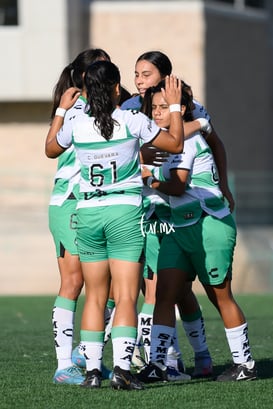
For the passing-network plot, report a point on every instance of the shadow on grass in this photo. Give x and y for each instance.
(264, 369)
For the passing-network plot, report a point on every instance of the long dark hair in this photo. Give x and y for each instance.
(160, 60)
(100, 79)
(186, 99)
(72, 74)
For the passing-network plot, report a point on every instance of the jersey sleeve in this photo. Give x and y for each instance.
(141, 126)
(64, 136)
(200, 111)
(183, 160)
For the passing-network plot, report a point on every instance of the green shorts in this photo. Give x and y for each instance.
(204, 249)
(62, 225)
(152, 246)
(154, 231)
(110, 232)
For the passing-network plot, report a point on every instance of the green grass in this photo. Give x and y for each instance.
(27, 362)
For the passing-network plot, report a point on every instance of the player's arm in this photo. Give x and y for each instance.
(173, 139)
(220, 157)
(52, 147)
(150, 155)
(175, 186)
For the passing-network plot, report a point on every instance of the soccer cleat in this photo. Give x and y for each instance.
(153, 372)
(203, 367)
(92, 379)
(174, 375)
(70, 376)
(239, 372)
(123, 379)
(79, 360)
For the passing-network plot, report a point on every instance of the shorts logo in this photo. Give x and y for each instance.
(212, 271)
(88, 253)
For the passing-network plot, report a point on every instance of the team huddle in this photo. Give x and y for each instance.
(140, 203)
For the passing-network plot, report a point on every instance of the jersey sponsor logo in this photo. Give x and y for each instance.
(177, 159)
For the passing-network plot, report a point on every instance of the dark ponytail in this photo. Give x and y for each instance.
(100, 79)
(72, 75)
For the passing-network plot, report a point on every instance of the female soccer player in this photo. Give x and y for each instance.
(201, 245)
(151, 67)
(109, 209)
(62, 224)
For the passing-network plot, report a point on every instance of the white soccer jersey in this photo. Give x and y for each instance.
(202, 191)
(67, 177)
(110, 170)
(154, 201)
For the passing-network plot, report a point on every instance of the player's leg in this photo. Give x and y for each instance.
(219, 237)
(236, 329)
(170, 283)
(63, 231)
(194, 327)
(125, 250)
(97, 284)
(145, 316)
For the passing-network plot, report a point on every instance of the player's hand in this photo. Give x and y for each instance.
(152, 155)
(205, 126)
(69, 97)
(172, 92)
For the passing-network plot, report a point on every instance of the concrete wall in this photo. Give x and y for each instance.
(127, 29)
(238, 72)
(238, 78)
(29, 66)
(33, 53)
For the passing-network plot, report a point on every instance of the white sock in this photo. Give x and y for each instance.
(195, 331)
(237, 338)
(91, 346)
(160, 342)
(63, 326)
(123, 341)
(174, 352)
(145, 322)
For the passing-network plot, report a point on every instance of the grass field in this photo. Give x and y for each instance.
(28, 363)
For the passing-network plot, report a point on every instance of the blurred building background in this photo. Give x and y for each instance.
(224, 49)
